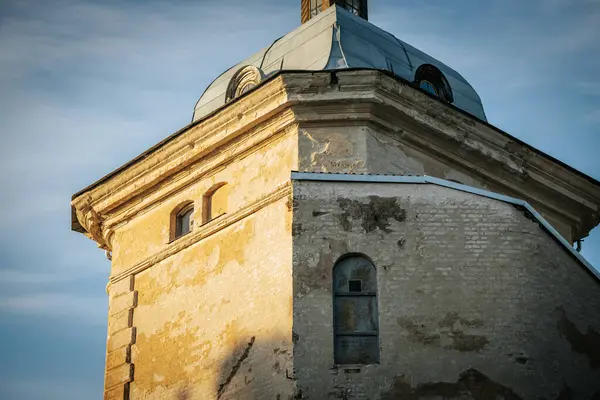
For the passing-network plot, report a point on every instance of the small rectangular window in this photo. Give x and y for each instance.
(354, 286)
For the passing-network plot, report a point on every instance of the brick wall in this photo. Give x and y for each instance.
(475, 298)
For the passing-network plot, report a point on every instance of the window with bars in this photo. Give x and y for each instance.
(353, 6)
(315, 7)
(355, 316)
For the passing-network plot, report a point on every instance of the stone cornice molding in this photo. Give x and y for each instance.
(338, 98)
(431, 126)
(92, 222)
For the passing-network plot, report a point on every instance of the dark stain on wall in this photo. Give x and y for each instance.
(464, 342)
(416, 334)
(587, 343)
(452, 318)
(296, 228)
(461, 341)
(374, 215)
(470, 382)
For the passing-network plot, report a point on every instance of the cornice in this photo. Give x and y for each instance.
(341, 97)
(433, 127)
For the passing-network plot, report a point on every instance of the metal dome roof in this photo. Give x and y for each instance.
(337, 39)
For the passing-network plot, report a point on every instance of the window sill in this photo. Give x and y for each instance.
(212, 220)
(351, 368)
(179, 237)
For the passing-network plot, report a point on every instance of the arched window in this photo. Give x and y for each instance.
(245, 79)
(355, 316)
(430, 79)
(215, 202)
(182, 220)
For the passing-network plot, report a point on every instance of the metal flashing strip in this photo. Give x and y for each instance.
(424, 179)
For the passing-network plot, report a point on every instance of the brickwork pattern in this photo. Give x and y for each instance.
(473, 295)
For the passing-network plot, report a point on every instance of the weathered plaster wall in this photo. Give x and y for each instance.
(476, 301)
(209, 316)
(214, 320)
(340, 149)
(248, 178)
(388, 154)
(360, 148)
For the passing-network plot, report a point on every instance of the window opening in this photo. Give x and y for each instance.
(428, 87)
(184, 221)
(430, 79)
(215, 202)
(315, 7)
(354, 286)
(355, 316)
(242, 81)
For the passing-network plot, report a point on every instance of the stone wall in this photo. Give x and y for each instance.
(475, 299)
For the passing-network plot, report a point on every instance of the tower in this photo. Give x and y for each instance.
(340, 221)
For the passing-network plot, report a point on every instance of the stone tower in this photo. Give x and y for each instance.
(340, 221)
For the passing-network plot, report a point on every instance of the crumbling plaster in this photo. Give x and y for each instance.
(468, 287)
(352, 122)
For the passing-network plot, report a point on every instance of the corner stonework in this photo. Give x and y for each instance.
(121, 336)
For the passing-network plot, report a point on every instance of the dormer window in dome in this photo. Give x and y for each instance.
(432, 80)
(244, 80)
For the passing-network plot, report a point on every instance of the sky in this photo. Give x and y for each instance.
(86, 85)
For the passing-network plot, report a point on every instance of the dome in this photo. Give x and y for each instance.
(337, 39)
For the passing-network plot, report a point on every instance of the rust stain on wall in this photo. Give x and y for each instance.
(375, 214)
(587, 343)
(471, 384)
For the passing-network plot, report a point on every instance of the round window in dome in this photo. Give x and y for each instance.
(428, 87)
(430, 79)
(244, 80)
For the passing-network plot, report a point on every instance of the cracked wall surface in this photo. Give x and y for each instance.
(476, 301)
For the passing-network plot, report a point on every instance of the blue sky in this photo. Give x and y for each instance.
(87, 85)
